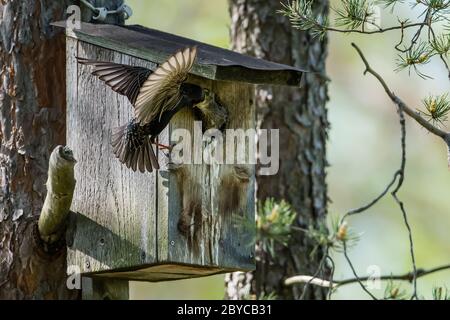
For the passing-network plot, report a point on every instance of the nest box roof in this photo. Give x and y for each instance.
(212, 62)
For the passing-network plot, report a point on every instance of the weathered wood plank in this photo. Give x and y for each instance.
(71, 79)
(115, 225)
(189, 195)
(233, 185)
(201, 229)
(163, 204)
(164, 272)
(127, 223)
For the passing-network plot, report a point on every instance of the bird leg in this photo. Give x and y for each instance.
(159, 145)
(163, 146)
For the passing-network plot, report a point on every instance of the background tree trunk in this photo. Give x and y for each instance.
(301, 116)
(32, 123)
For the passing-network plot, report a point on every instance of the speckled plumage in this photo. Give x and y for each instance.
(156, 97)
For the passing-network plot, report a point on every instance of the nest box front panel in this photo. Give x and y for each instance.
(179, 222)
(208, 202)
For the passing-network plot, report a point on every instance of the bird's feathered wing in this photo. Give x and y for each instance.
(123, 79)
(161, 91)
(134, 149)
(151, 93)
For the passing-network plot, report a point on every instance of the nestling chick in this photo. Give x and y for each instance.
(212, 113)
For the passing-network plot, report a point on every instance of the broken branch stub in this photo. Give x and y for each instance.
(60, 188)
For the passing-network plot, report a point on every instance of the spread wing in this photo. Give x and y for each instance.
(161, 91)
(123, 79)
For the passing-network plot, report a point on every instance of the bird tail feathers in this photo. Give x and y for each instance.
(133, 154)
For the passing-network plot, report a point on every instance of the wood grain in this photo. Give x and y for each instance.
(116, 226)
(129, 225)
(213, 237)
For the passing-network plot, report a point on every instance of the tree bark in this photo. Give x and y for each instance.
(32, 123)
(300, 115)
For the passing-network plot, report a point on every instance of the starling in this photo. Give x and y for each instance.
(156, 97)
(211, 111)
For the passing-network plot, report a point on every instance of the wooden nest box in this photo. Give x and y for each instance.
(180, 221)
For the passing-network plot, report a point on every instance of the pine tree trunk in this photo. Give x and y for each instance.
(301, 116)
(32, 123)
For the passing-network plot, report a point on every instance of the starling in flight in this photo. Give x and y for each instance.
(156, 97)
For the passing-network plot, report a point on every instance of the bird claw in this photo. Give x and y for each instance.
(166, 150)
(164, 147)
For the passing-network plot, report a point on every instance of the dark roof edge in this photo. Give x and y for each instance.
(232, 72)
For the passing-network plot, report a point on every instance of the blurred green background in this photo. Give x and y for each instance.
(363, 151)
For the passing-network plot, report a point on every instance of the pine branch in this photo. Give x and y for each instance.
(338, 283)
(354, 15)
(445, 136)
(302, 18)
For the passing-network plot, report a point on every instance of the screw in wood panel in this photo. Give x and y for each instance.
(87, 264)
(172, 243)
